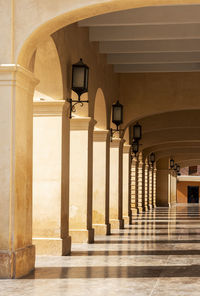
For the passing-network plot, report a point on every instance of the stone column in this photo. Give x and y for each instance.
(116, 165)
(50, 179)
(134, 203)
(150, 186)
(154, 185)
(101, 146)
(146, 185)
(140, 183)
(17, 254)
(126, 184)
(173, 187)
(81, 172)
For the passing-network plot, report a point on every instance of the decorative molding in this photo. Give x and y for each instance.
(100, 135)
(126, 148)
(116, 142)
(188, 178)
(48, 108)
(15, 68)
(81, 123)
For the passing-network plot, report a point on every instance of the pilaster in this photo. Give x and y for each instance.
(140, 183)
(134, 202)
(146, 185)
(154, 185)
(126, 184)
(81, 173)
(101, 145)
(150, 186)
(17, 254)
(50, 170)
(116, 175)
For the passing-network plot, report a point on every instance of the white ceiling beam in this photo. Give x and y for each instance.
(145, 32)
(154, 58)
(149, 46)
(147, 15)
(148, 68)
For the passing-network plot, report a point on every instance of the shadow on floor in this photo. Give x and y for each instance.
(135, 253)
(114, 272)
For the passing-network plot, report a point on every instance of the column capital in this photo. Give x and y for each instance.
(100, 135)
(116, 142)
(14, 74)
(48, 108)
(126, 148)
(82, 123)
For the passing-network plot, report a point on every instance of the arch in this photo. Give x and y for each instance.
(100, 112)
(50, 17)
(47, 69)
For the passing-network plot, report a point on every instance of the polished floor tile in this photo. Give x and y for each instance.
(159, 254)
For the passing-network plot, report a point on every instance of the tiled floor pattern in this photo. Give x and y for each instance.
(159, 255)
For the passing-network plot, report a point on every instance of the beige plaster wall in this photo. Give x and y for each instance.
(145, 94)
(73, 43)
(162, 184)
(48, 70)
(182, 187)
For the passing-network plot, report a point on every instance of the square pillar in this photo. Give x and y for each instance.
(116, 166)
(50, 179)
(154, 185)
(134, 201)
(140, 183)
(17, 254)
(101, 146)
(150, 187)
(81, 173)
(146, 185)
(126, 184)
(173, 188)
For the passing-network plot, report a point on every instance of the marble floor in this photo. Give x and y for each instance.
(158, 255)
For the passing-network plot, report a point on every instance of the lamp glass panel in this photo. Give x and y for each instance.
(135, 147)
(86, 77)
(78, 77)
(117, 115)
(171, 163)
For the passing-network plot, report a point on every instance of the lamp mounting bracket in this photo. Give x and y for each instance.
(113, 131)
(73, 104)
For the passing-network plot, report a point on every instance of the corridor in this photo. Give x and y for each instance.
(157, 255)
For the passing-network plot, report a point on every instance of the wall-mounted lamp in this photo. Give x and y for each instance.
(178, 168)
(80, 75)
(152, 158)
(171, 163)
(117, 117)
(137, 132)
(135, 147)
(175, 166)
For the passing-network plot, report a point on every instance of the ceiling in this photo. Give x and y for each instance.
(149, 39)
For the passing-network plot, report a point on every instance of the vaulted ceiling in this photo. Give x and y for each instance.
(149, 39)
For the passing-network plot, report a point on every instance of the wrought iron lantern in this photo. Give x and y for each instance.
(178, 168)
(135, 147)
(137, 132)
(152, 158)
(175, 166)
(117, 117)
(80, 76)
(171, 163)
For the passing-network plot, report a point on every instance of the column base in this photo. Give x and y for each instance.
(104, 229)
(134, 212)
(53, 246)
(146, 209)
(126, 220)
(82, 235)
(18, 263)
(117, 224)
(140, 210)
